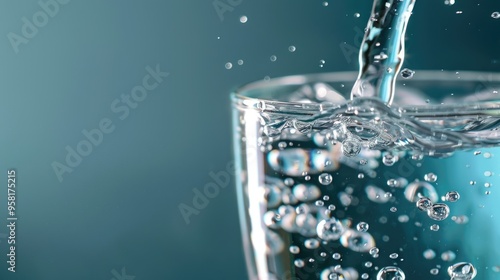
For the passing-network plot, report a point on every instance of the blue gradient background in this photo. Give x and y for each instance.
(119, 207)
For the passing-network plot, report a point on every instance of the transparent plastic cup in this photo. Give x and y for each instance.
(332, 189)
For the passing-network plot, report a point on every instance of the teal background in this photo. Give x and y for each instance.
(119, 208)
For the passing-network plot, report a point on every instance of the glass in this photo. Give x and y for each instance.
(330, 189)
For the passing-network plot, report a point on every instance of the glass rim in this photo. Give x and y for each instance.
(241, 100)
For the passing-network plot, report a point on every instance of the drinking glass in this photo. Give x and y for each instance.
(330, 188)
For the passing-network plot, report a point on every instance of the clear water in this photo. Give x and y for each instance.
(368, 191)
(382, 50)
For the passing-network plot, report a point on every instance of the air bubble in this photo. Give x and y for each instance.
(429, 254)
(330, 229)
(357, 241)
(389, 159)
(325, 179)
(336, 256)
(430, 177)
(311, 243)
(362, 226)
(434, 227)
(438, 211)
(424, 204)
(273, 58)
(391, 273)
(243, 19)
(357, 15)
(228, 65)
(393, 256)
(434, 271)
(407, 73)
(462, 271)
(292, 48)
(240, 61)
(448, 256)
(351, 147)
(452, 196)
(299, 263)
(294, 249)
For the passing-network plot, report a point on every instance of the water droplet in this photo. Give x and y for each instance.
(273, 58)
(330, 229)
(429, 254)
(325, 179)
(438, 211)
(452, 196)
(292, 48)
(228, 65)
(391, 273)
(424, 204)
(294, 249)
(407, 73)
(462, 271)
(351, 147)
(430, 177)
(362, 226)
(243, 19)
